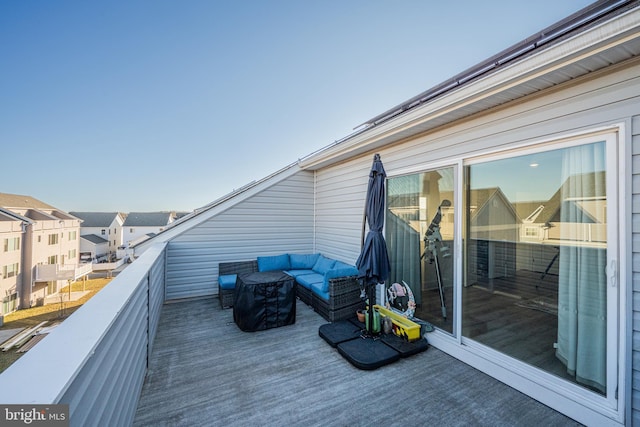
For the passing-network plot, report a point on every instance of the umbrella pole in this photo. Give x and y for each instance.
(370, 313)
(372, 296)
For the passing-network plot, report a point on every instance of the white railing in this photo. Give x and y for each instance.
(96, 360)
(106, 266)
(51, 272)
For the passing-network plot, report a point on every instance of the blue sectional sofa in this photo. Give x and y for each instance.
(329, 286)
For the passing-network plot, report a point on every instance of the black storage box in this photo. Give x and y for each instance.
(264, 300)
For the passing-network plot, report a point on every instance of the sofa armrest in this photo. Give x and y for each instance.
(336, 273)
(237, 267)
(343, 285)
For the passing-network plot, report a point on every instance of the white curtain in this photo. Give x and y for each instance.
(403, 241)
(582, 302)
(404, 247)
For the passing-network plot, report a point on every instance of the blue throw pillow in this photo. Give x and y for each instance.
(303, 262)
(273, 263)
(323, 264)
(227, 281)
(340, 264)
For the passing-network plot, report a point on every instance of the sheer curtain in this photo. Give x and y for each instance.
(582, 301)
(403, 240)
(404, 243)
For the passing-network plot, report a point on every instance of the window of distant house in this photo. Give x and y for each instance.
(39, 239)
(104, 232)
(72, 254)
(12, 244)
(52, 259)
(531, 232)
(10, 270)
(73, 235)
(131, 230)
(53, 239)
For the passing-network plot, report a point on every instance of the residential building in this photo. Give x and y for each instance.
(40, 250)
(93, 248)
(140, 226)
(106, 225)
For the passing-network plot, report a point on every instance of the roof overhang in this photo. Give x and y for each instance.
(602, 45)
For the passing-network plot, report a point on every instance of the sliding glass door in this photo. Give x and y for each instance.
(420, 237)
(539, 258)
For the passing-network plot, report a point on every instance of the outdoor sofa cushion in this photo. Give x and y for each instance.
(320, 281)
(298, 273)
(323, 265)
(307, 280)
(311, 271)
(227, 281)
(274, 263)
(318, 290)
(303, 262)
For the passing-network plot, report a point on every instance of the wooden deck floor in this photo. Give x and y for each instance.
(205, 371)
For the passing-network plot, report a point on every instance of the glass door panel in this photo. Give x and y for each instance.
(536, 249)
(420, 235)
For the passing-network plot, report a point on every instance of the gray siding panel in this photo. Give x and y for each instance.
(635, 212)
(279, 219)
(341, 192)
(156, 296)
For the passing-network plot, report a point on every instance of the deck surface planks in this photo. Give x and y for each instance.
(205, 371)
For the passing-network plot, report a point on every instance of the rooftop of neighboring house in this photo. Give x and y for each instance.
(32, 208)
(20, 201)
(148, 219)
(94, 238)
(7, 215)
(593, 187)
(96, 219)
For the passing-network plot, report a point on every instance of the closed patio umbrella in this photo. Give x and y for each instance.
(373, 263)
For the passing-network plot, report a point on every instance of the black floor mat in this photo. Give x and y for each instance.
(368, 353)
(338, 332)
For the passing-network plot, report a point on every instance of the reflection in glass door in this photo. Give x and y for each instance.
(420, 235)
(536, 251)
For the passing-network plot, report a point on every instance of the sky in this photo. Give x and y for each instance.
(158, 105)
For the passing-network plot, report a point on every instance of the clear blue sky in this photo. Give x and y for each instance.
(148, 105)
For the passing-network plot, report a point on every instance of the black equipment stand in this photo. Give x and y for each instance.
(432, 238)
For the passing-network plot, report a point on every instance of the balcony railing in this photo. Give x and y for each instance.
(96, 360)
(51, 272)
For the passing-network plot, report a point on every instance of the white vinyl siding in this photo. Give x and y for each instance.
(277, 220)
(341, 192)
(584, 105)
(635, 221)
